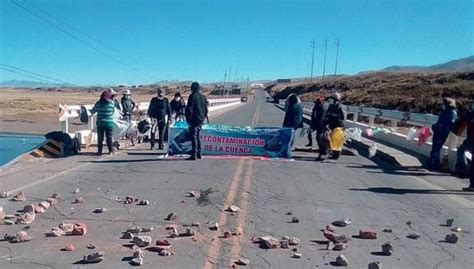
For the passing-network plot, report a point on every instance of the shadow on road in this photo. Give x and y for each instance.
(393, 170)
(133, 161)
(387, 190)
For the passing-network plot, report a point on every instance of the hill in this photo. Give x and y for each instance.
(459, 65)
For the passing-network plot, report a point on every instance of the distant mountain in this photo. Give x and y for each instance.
(31, 84)
(459, 65)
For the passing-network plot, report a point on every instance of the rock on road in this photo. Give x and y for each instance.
(268, 193)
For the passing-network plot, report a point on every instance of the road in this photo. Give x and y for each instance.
(374, 195)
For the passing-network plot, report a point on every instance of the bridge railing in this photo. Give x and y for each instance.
(398, 122)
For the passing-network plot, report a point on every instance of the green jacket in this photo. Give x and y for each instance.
(105, 113)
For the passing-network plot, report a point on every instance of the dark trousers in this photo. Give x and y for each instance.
(100, 138)
(160, 126)
(195, 133)
(463, 167)
(435, 155)
(323, 142)
(127, 117)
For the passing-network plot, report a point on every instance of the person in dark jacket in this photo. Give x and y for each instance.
(441, 130)
(177, 106)
(334, 117)
(196, 112)
(466, 121)
(160, 112)
(128, 105)
(317, 117)
(105, 120)
(294, 113)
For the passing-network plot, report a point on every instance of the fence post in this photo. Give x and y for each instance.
(371, 120)
(356, 117)
(65, 126)
(394, 124)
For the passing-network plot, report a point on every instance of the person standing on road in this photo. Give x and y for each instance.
(128, 105)
(178, 106)
(159, 111)
(466, 121)
(333, 118)
(441, 130)
(196, 112)
(317, 117)
(114, 99)
(105, 120)
(294, 113)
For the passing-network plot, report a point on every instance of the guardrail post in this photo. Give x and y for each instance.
(394, 123)
(356, 117)
(65, 126)
(371, 120)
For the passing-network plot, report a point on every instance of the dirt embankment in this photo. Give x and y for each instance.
(415, 92)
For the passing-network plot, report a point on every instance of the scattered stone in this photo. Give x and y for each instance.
(4, 194)
(142, 241)
(134, 229)
(139, 253)
(284, 244)
(295, 220)
(456, 230)
(237, 231)
(342, 223)
(21, 236)
(193, 194)
(297, 255)
(387, 249)
(26, 218)
(163, 243)
(243, 261)
(331, 228)
(368, 234)
(95, 257)
(66, 227)
(8, 237)
(144, 202)
(130, 200)
(44, 204)
(165, 252)
(330, 245)
(189, 232)
(293, 241)
(414, 235)
(174, 233)
(8, 222)
(79, 229)
(69, 247)
(227, 234)
(289, 213)
(214, 227)
(233, 209)
(136, 261)
(127, 235)
(409, 223)
(170, 227)
(341, 260)
(100, 210)
(196, 224)
(19, 197)
(387, 230)
(39, 209)
(375, 265)
(146, 229)
(449, 222)
(90, 246)
(171, 216)
(2, 213)
(56, 232)
(269, 242)
(76, 191)
(294, 249)
(79, 200)
(452, 238)
(9, 216)
(339, 246)
(55, 196)
(29, 208)
(52, 201)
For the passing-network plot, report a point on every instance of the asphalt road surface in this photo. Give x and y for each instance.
(375, 196)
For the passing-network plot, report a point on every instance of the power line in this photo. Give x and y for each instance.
(103, 44)
(80, 40)
(22, 74)
(33, 73)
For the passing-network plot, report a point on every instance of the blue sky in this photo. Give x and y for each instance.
(199, 40)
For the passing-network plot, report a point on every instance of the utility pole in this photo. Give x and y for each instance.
(223, 86)
(337, 56)
(312, 61)
(325, 53)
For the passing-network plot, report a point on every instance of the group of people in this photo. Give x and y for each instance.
(160, 111)
(448, 121)
(325, 118)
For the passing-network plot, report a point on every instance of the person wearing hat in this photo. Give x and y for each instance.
(114, 99)
(128, 105)
(317, 117)
(441, 130)
(177, 106)
(159, 112)
(196, 112)
(333, 118)
(466, 122)
(105, 120)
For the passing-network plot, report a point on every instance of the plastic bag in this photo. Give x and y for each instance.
(354, 133)
(412, 133)
(336, 139)
(372, 150)
(423, 135)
